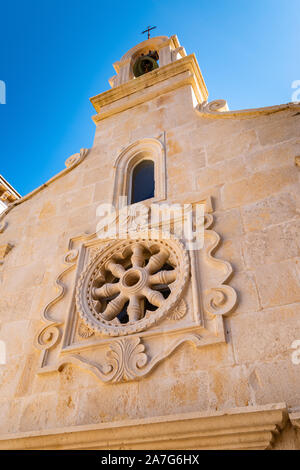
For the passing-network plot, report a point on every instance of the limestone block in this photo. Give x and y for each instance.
(228, 224)
(273, 380)
(107, 403)
(29, 366)
(177, 185)
(10, 412)
(67, 408)
(14, 335)
(69, 182)
(229, 387)
(248, 299)
(279, 131)
(271, 210)
(38, 412)
(11, 371)
(29, 276)
(236, 146)
(275, 243)
(174, 146)
(188, 360)
(275, 156)
(80, 218)
(258, 186)
(205, 130)
(78, 198)
(278, 283)
(12, 305)
(198, 157)
(231, 250)
(221, 173)
(4, 412)
(48, 210)
(266, 335)
(74, 378)
(181, 393)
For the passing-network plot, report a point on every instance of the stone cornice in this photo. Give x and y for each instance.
(130, 89)
(239, 428)
(218, 109)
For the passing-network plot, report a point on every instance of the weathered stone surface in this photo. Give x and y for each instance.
(274, 244)
(229, 387)
(242, 144)
(270, 211)
(266, 335)
(273, 378)
(246, 287)
(278, 284)
(258, 186)
(245, 165)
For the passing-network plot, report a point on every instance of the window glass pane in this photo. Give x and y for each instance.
(143, 181)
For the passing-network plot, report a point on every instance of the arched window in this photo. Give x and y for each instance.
(142, 182)
(140, 173)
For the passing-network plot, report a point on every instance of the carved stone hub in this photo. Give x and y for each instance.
(132, 285)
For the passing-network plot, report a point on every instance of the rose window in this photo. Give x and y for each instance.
(131, 285)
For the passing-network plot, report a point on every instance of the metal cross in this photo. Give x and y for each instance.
(148, 29)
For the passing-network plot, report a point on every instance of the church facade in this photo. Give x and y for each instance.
(150, 291)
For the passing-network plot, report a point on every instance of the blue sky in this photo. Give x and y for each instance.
(56, 54)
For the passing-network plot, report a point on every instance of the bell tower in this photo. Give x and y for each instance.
(151, 68)
(164, 49)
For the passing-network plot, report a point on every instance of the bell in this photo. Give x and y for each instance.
(145, 63)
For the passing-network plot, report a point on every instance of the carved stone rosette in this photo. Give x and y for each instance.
(132, 272)
(133, 301)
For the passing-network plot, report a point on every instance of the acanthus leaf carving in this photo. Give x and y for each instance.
(126, 359)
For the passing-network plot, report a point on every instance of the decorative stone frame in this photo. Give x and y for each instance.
(195, 316)
(143, 149)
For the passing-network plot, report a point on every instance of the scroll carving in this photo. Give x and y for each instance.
(76, 158)
(49, 335)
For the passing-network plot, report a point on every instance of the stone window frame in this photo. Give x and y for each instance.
(143, 149)
(132, 180)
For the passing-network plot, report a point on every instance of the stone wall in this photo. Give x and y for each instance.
(248, 167)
